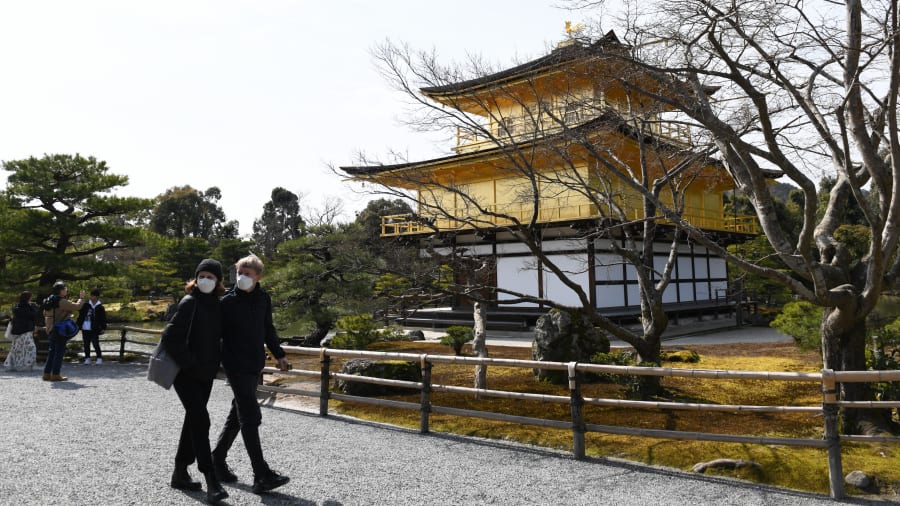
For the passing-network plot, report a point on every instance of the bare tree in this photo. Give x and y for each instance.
(575, 142)
(479, 343)
(808, 89)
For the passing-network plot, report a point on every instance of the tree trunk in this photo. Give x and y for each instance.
(649, 354)
(844, 349)
(479, 341)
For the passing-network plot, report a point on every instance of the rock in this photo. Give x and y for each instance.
(310, 341)
(759, 320)
(858, 479)
(388, 369)
(415, 335)
(688, 356)
(726, 464)
(560, 336)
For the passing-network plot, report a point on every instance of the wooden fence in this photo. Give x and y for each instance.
(146, 346)
(117, 334)
(827, 379)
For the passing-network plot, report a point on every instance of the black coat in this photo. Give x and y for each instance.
(200, 353)
(246, 327)
(98, 321)
(23, 318)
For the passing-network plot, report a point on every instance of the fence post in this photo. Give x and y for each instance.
(832, 437)
(324, 378)
(425, 409)
(576, 403)
(122, 334)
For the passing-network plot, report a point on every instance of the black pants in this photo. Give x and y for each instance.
(244, 417)
(91, 337)
(194, 441)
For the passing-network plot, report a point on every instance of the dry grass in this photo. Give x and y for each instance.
(798, 468)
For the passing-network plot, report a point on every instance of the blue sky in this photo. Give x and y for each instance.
(243, 95)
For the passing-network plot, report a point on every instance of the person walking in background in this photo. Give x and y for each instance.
(22, 351)
(56, 309)
(92, 322)
(193, 339)
(246, 330)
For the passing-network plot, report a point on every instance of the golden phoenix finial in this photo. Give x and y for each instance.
(573, 30)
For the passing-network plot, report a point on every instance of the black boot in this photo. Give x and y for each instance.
(222, 472)
(269, 481)
(214, 490)
(182, 480)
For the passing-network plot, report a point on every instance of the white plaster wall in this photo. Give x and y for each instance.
(609, 295)
(717, 268)
(519, 274)
(575, 267)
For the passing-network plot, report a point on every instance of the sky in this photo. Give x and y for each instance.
(243, 95)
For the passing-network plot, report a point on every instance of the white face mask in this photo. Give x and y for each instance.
(206, 285)
(245, 283)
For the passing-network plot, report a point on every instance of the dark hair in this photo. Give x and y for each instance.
(58, 287)
(218, 291)
(24, 297)
(95, 291)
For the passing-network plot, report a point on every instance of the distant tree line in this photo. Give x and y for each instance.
(61, 221)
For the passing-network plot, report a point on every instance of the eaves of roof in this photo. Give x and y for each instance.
(609, 120)
(560, 55)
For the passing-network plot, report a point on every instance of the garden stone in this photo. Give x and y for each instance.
(558, 337)
(415, 335)
(858, 479)
(388, 369)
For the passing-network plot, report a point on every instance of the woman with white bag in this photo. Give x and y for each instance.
(22, 352)
(193, 337)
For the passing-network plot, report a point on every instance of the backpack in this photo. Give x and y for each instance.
(50, 303)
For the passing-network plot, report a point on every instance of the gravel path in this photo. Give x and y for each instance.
(108, 436)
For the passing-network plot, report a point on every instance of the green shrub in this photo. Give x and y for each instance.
(392, 333)
(885, 356)
(125, 314)
(803, 321)
(358, 332)
(621, 357)
(115, 294)
(457, 336)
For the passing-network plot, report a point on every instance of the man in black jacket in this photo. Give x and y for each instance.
(246, 328)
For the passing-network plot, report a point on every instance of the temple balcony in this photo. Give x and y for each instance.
(515, 129)
(407, 224)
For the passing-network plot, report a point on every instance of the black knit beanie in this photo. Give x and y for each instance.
(211, 266)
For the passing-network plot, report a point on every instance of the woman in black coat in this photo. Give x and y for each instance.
(193, 338)
(22, 352)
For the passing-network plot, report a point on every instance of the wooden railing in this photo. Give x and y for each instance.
(115, 334)
(577, 423)
(525, 127)
(146, 345)
(407, 224)
(827, 379)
